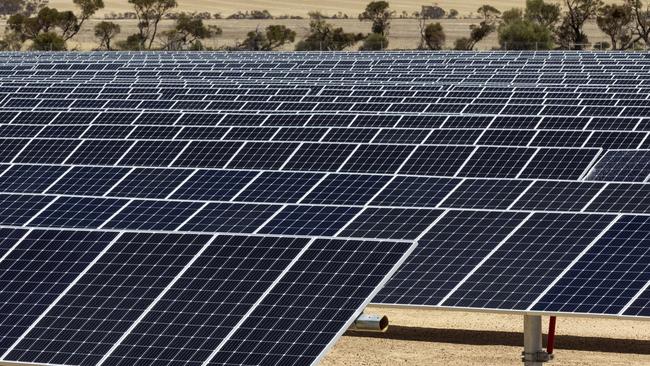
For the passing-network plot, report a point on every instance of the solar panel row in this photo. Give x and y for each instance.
(256, 235)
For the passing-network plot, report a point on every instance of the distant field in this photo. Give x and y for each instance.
(403, 34)
(281, 7)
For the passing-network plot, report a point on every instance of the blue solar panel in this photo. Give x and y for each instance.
(107, 302)
(528, 261)
(310, 220)
(230, 217)
(149, 183)
(608, 275)
(39, 269)
(153, 215)
(346, 189)
(279, 187)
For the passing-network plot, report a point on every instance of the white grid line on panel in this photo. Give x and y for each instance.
(126, 152)
(16, 244)
(591, 164)
(61, 295)
(155, 301)
(232, 158)
(523, 168)
(310, 190)
(189, 176)
(223, 137)
(119, 181)
(467, 160)
(341, 230)
(180, 130)
(375, 135)
(57, 180)
(291, 155)
(451, 192)
(180, 153)
(520, 195)
(192, 216)
(56, 198)
(245, 187)
(114, 215)
(634, 298)
(574, 261)
(250, 311)
(434, 223)
(354, 151)
(645, 138)
(485, 259)
(275, 214)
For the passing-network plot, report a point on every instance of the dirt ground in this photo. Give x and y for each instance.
(435, 337)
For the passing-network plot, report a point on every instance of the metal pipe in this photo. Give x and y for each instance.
(532, 339)
(550, 340)
(370, 323)
(534, 354)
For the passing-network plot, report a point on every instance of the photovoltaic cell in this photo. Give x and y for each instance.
(310, 220)
(153, 215)
(528, 261)
(109, 304)
(623, 166)
(558, 196)
(332, 281)
(78, 212)
(415, 191)
(230, 217)
(29, 178)
(279, 187)
(390, 223)
(34, 273)
(477, 193)
(346, 189)
(149, 183)
(446, 254)
(610, 273)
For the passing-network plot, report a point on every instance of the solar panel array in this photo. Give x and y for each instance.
(242, 208)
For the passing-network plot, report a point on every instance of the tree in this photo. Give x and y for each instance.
(377, 12)
(641, 16)
(616, 21)
(48, 41)
(188, 33)
(324, 37)
(453, 14)
(49, 20)
(488, 12)
(9, 7)
(521, 34)
(274, 37)
(512, 15)
(434, 36)
(578, 12)
(463, 44)
(542, 13)
(105, 32)
(88, 8)
(149, 13)
(374, 42)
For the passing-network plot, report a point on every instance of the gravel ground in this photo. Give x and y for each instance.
(434, 337)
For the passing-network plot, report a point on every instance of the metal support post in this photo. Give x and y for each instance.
(534, 354)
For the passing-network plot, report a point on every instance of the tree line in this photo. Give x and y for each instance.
(540, 25)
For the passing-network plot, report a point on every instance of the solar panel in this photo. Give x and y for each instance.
(231, 201)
